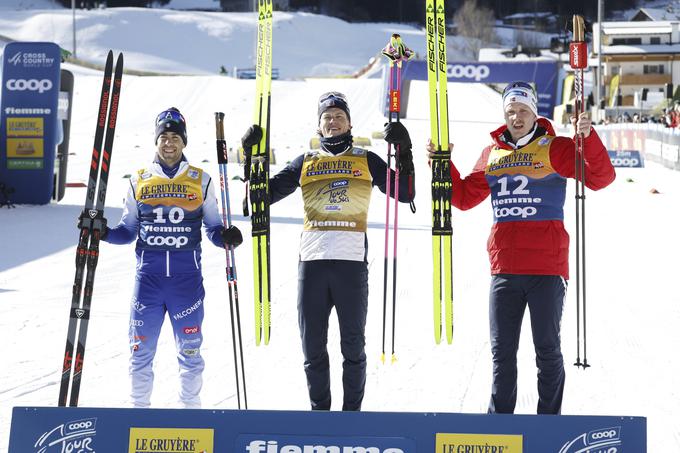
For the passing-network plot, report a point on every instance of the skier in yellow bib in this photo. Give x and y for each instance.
(336, 183)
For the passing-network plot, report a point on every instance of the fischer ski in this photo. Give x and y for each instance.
(256, 175)
(441, 177)
(91, 226)
(397, 53)
(578, 59)
(234, 311)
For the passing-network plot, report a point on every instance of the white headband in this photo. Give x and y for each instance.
(523, 96)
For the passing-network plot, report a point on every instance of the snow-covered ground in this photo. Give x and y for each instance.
(190, 42)
(633, 309)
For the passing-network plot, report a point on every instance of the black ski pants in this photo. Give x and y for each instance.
(322, 285)
(508, 298)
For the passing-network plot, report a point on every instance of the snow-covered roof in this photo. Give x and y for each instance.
(505, 54)
(638, 28)
(656, 14)
(527, 15)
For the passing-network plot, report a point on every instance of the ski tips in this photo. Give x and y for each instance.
(382, 358)
(578, 28)
(394, 359)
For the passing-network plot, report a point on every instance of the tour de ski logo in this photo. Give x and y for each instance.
(74, 435)
(603, 439)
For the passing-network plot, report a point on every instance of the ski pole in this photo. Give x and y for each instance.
(578, 54)
(234, 312)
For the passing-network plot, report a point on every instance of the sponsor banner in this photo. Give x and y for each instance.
(28, 119)
(543, 74)
(631, 159)
(491, 443)
(25, 164)
(25, 127)
(253, 443)
(25, 147)
(646, 142)
(72, 435)
(174, 440)
(102, 430)
(599, 440)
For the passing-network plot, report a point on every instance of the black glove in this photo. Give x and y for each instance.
(405, 161)
(98, 222)
(252, 137)
(232, 236)
(396, 134)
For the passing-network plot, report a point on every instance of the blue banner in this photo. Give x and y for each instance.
(631, 159)
(28, 120)
(62, 429)
(544, 74)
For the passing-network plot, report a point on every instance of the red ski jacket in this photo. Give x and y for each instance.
(526, 246)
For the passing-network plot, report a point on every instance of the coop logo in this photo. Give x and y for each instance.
(40, 86)
(316, 444)
(604, 440)
(631, 159)
(468, 71)
(170, 241)
(515, 211)
(341, 183)
(73, 436)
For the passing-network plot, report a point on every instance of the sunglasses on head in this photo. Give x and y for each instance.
(170, 115)
(332, 95)
(524, 85)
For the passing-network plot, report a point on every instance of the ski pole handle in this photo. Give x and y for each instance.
(578, 48)
(221, 144)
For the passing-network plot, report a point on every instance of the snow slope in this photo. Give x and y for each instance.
(633, 307)
(190, 42)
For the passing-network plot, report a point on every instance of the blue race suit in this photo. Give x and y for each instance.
(163, 211)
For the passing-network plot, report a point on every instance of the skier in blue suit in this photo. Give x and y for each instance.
(165, 206)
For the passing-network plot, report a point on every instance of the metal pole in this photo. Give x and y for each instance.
(73, 8)
(599, 92)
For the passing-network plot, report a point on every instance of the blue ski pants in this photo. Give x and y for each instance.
(181, 296)
(322, 285)
(508, 298)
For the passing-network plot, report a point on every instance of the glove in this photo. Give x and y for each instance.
(396, 134)
(405, 161)
(232, 236)
(251, 138)
(85, 221)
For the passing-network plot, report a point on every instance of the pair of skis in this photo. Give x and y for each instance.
(442, 288)
(256, 175)
(396, 52)
(578, 59)
(91, 228)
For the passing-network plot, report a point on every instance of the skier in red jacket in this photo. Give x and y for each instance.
(525, 171)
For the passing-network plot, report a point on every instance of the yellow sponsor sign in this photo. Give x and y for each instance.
(25, 147)
(474, 443)
(25, 127)
(613, 90)
(171, 440)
